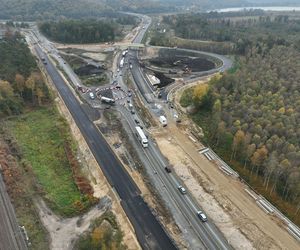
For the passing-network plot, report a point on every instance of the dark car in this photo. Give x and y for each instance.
(168, 169)
(137, 121)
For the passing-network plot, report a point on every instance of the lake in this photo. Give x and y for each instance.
(270, 8)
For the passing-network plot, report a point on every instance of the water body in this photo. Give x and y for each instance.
(270, 8)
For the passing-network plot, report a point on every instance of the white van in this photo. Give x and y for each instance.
(163, 120)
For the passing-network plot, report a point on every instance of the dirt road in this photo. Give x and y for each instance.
(243, 223)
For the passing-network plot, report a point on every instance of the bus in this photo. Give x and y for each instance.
(107, 100)
(141, 136)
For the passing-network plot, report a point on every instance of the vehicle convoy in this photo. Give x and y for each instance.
(163, 120)
(141, 136)
(107, 100)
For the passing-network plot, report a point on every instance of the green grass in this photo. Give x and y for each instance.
(41, 134)
(101, 236)
(186, 98)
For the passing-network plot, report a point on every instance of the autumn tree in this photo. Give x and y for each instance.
(258, 158)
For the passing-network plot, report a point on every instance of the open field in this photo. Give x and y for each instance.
(42, 135)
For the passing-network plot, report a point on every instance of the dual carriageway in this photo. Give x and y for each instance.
(183, 207)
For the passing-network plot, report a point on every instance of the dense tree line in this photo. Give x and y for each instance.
(243, 33)
(32, 10)
(21, 83)
(80, 31)
(255, 116)
(251, 114)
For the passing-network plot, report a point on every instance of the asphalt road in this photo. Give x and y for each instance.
(183, 207)
(150, 233)
(204, 235)
(11, 236)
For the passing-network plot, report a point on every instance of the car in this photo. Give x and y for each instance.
(168, 169)
(118, 87)
(137, 121)
(118, 70)
(132, 111)
(202, 216)
(128, 100)
(92, 95)
(182, 189)
(129, 94)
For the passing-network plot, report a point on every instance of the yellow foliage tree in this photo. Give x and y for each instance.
(199, 92)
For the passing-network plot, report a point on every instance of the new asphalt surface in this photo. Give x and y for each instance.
(150, 233)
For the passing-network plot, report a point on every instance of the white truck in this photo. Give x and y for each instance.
(107, 100)
(122, 63)
(124, 52)
(141, 136)
(163, 120)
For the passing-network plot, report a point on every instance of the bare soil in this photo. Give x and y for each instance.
(223, 198)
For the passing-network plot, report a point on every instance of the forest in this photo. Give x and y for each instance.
(234, 34)
(85, 31)
(21, 84)
(34, 10)
(251, 114)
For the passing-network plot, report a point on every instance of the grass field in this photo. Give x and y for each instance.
(41, 135)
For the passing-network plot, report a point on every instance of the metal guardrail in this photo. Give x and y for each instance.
(261, 201)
